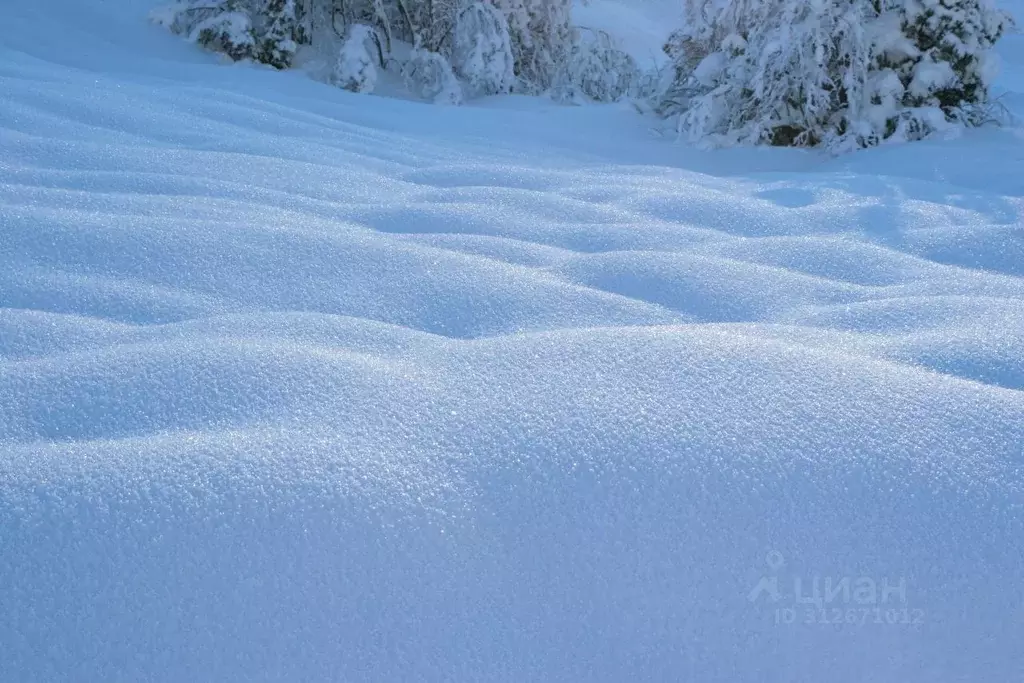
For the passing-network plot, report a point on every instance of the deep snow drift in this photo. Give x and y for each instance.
(300, 385)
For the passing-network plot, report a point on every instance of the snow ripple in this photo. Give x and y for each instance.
(296, 385)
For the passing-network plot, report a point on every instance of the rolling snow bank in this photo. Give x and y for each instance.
(298, 385)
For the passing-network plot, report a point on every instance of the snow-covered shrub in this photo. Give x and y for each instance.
(598, 71)
(429, 76)
(941, 55)
(539, 32)
(770, 71)
(282, 31)
(482, 50)
(356, 67)
(541, 36)
(837, 73)
(494, 45)
(219, 25)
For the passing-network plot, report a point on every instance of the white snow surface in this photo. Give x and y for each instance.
(303, 385)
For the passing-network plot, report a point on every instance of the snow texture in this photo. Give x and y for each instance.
(300, 385)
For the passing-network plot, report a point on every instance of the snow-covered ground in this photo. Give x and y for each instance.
(300, 385)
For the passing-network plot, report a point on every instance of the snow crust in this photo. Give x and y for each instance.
(301, 385)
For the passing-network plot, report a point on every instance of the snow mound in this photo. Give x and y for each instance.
(297, 384)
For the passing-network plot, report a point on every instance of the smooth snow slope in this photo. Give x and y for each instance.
(298, 385)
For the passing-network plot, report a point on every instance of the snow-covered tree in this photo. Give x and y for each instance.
(541, 35)
(539, 32)
(482, 50)
(837, 73)
(941, 56)
(281, 33)
(219, 25)
(429, 76)
(486, 46)
(339, 15)
(427, 24)
(596, 70)
(356, 67)
(769, 71)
